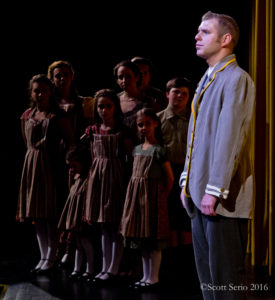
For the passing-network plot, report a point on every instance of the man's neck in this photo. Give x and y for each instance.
(213, 60)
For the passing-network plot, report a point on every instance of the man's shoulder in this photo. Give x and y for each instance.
(231, 73)
(235, 73)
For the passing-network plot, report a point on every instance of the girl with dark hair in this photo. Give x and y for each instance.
(144, 222)
(111, 147)
(42, 132)
(128, 78)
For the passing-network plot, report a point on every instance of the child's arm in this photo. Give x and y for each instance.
(23, 119)
(23, 131)
(169, 177)
(87, 139)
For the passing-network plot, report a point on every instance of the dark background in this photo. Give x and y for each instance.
(94, 38)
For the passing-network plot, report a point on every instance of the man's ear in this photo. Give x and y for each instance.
(226, 39)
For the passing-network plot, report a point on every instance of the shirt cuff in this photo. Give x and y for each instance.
(215, 191)
(182, 181)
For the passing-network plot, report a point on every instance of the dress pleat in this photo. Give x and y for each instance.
(37, 193)
(105, 184)
(145, 214)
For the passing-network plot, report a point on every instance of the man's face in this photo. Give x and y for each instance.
(208, 42)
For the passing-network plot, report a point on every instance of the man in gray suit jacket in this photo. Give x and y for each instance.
(217, 180)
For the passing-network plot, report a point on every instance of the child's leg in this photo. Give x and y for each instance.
(154, 266)
(89, 253)
(52, 246)
(145, 268)
(145, 265)
(61, 245)
(41, 235)
(78, 259)
(69, 248)
(116, 245)
(106, 251)
(78, 255)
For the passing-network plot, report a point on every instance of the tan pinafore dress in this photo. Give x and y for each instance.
(71, 217)
(145, 214)
(105, 183)
(37, 193)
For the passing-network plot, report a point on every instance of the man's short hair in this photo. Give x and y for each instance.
(226, 25)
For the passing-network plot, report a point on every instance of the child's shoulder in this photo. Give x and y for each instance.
(137, 148)
(159, 148)
(156, 148)
(26, 114)
(160, 152)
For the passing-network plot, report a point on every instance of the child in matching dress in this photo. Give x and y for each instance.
(111, 148)
(144, 222)
(99, 199)
(78, 159)
(42, 133)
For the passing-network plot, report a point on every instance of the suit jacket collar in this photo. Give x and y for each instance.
(203, 85)
(221, 63)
